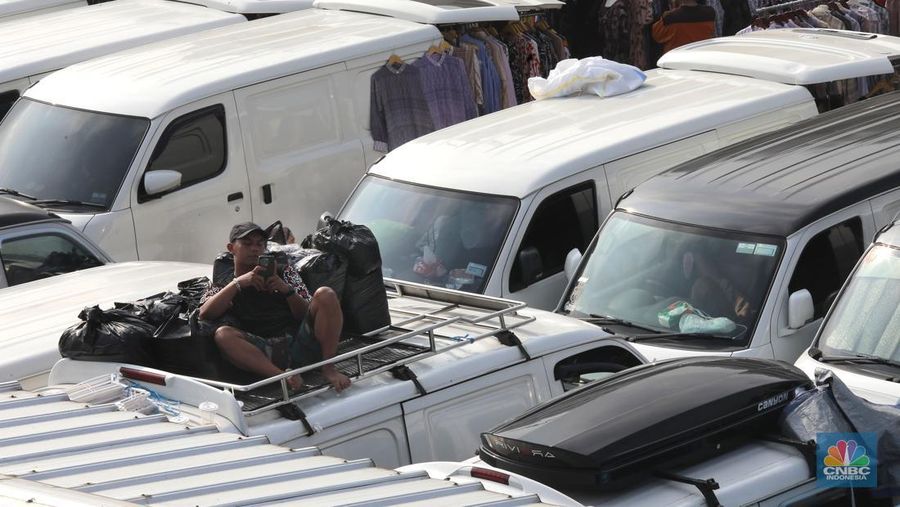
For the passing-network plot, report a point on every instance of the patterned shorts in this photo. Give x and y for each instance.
(290, 350)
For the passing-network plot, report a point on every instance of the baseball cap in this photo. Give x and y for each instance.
(244, 229)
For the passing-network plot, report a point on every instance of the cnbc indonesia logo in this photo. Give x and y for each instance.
(846, 462)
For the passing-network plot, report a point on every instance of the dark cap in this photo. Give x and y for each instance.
(244, 229)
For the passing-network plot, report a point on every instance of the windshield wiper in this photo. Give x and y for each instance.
(643, 337)
(68, 202)
(4, 190)
(855, 358)
(605, 320)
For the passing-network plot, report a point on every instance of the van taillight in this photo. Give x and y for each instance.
(143, 376)
(490, 475)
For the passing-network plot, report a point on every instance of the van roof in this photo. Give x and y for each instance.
(532, 145)
(256, 6)
(14, 213)
(151, 80)
(792, 56)
(17, 7)
(779, 182)
(442, 11)
(39, 44)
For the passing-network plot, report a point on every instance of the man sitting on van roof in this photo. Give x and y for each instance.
(278, 326)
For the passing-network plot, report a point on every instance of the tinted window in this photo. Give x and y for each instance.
(193, 145)
(826, 262)
(31, 258)
(53, 152)
(564, 221)
(7, 99)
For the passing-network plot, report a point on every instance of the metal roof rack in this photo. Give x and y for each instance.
(426, 321)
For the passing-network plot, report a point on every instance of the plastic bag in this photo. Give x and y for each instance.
(323, 269)
(365, 304)
(116, 335)
(354, 242)
(594, 75)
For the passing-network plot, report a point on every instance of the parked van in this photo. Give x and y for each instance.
(742, 251)
(155, 152)
(16, 9)
(500, 201)
(858, 340)
(34, 47)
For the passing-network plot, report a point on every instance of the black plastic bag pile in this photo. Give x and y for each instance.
(364, 300)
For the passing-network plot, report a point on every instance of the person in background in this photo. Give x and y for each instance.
(279, 326)
(686, 22)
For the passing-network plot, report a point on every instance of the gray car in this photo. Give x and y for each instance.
(36, 243)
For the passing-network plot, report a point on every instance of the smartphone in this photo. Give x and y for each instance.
(267, 261)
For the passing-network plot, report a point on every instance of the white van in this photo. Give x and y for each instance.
(38, 45)
(504, 199)
(155, 152)
(857, 340)
(16, 9)
(760, 236)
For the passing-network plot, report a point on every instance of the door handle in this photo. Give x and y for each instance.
(235, 196)
(267, 193)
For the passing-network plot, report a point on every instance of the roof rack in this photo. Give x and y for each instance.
(426, 321)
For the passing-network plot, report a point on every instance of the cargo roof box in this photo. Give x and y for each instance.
(799, 56)
(643, 420)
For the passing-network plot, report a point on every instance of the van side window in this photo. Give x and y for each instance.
(7, 99)
(565, 220)
(29, 258)
(193, 145)
(826, 262)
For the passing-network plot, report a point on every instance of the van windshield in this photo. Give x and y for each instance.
(57, 153)
(866, 318)
(652, 274)
(437, 237)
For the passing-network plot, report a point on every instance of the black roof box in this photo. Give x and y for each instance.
(645, 419)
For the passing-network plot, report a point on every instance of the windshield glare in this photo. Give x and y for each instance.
(866, 318)
(654, 274)
(53, 152)
(426, 235)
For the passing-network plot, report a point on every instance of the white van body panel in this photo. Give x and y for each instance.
(113, 229)
(257, 6)
(15, 84)
(533, 145)
(17, 9)
(871, 388)
(35, 314)
(40, 44)
(139, 82)
(422, 12)
(792, 56)
(192, 222)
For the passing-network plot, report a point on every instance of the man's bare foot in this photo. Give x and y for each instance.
(338, 380)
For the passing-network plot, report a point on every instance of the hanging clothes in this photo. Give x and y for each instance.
(446, 89)
(398, 109)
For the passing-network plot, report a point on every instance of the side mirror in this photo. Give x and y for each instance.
(531, 265)
(323, 219)
(573, 258)
(157, 182)
(800, 309)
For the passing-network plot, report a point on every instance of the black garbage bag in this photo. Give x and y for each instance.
(365, 304)
(323, 269)
(354, 242)
(115, 335)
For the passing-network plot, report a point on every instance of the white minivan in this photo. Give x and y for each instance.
(858, 339)
(495, 205)
(16, 9)
(156, 151)
(35, 46)
(742, 252)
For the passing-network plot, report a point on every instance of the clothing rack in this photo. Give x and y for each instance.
(793, 4)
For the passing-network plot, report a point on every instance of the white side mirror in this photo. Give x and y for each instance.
(157, 182)
(800, 309)
(573, 258)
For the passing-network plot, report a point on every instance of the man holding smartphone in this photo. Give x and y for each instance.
(279, 326)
